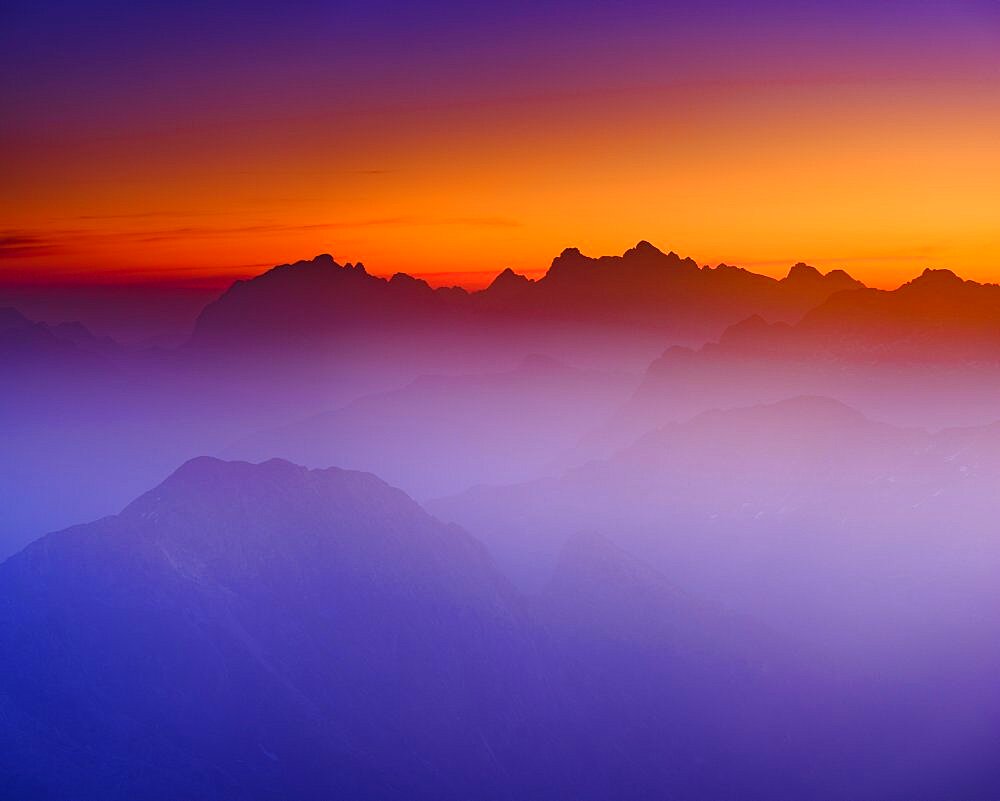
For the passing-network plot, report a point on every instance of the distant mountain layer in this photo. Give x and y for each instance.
(644, 287)
(443, 433)
(937, 317)
(785, 509)
(21, 338)
(927, 354)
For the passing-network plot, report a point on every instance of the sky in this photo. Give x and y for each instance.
(189, 144)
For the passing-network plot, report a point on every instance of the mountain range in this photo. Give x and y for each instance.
(644, 291)
(268, 631)
(935, 316)
(283, 361)
(805, 499)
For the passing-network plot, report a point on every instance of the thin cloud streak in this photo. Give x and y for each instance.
(26, 244)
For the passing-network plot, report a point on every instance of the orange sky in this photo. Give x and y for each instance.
(879, 175)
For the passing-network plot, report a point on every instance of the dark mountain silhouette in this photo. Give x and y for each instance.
(937, 317)
(644, 288)
(133, 314)
(310, 299)
(442, 434)
(45, 366)
(926, 354)
(22, 339)
(647, 287)
(508, 287)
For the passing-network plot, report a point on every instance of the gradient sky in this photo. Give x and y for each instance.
(192, 143)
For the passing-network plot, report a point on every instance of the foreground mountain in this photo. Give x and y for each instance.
(267, 632)
(260, 632)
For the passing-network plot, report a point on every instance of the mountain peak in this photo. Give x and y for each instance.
(207, 476)
(801, 271)
(643, 248)
(407, 280)
(752, 324)
(201, 468)
(507, 279)
(320, 263)
(937, 278)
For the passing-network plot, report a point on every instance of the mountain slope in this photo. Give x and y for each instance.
(804, 511)
(255, 631)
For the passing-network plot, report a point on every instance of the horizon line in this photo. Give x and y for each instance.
(209, 279)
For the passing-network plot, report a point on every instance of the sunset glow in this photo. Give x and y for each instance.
(451, 144)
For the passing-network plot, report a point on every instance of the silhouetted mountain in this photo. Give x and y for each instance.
(261, 631)
(45, 366)
(647, 287)
(508, 287)
(309, 300)
(441, 434)
(643, 288)
(24, 339)
(937, 317)
(130, 313)
(925, 354)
